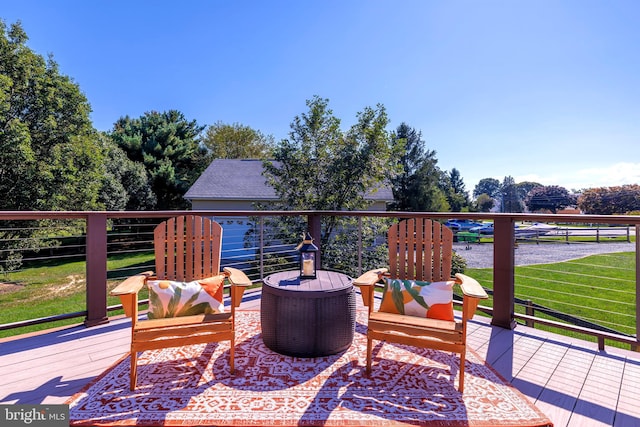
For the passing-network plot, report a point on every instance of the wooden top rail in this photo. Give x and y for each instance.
(576, 218)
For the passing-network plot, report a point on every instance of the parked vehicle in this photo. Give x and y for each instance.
(483, 229)
(537, 229)
(461, 224)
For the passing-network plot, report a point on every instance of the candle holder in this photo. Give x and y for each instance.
(308, 253)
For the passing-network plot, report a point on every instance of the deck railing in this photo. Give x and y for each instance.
(103, 235)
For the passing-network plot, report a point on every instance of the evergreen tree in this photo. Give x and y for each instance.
(509, 196)
(169, 148)
(416, 187)
(455, 191)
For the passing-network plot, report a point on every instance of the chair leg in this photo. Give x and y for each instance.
(369, 351)
(134, 369)
(461, 373)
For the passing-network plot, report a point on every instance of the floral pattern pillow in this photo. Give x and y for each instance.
(432, 300)
(169, 298)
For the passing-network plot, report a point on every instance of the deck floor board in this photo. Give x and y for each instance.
(568, 379)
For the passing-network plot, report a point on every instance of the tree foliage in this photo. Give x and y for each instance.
(509, 196)
(125, 184)
(319, 167)
(488, 186)
(550, 197)
(49, 152)
(237, 141)
(416, 187)
(484, 203)
(49, 156)
(455, 191)
(610, 200)
(169, 148)
(525, 187)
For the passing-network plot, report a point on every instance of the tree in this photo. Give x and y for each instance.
(484, 203)
(416, 188)
(319, 167)
(509, 195)
(169, 148)
(488, 186)
(48, 148)
(610, 200)
(237, 142)
(125, 184)
(49, 153)
(524, 188)
(455, 191)
(551, 197)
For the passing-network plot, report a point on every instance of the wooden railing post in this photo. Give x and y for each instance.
(530, 311)
(503, 273)
(96, 269)
(314, 227)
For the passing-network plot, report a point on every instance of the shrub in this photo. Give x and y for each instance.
(458, 264)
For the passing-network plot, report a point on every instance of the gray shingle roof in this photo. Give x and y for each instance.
(233, 179)
(241, 179)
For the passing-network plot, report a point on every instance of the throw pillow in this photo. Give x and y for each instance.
(433, 300)
(169, 298)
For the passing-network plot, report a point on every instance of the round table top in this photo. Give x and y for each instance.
(325, 282)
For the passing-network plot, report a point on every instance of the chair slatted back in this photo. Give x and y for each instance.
(187, 248)
(420, 249)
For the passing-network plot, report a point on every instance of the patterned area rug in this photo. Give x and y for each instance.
(192, 386)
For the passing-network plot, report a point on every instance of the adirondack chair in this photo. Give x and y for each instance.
(187, 249)
(417, 309)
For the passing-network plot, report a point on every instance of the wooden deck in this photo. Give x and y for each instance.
(569, 380)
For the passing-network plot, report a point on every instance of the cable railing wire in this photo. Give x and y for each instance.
(123, 238)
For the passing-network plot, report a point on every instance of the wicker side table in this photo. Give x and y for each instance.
(308, 318)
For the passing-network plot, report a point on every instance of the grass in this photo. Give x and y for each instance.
(55, 288)
(598, 289)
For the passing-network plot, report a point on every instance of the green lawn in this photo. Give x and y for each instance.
(56, 288)
(597, 288)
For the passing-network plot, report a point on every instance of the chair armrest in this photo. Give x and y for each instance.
(470, 287)
(366, 284)
(371, 277)
(216, 280)
(237, 277)
(132, 284)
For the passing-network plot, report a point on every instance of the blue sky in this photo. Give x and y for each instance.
(540, 90)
